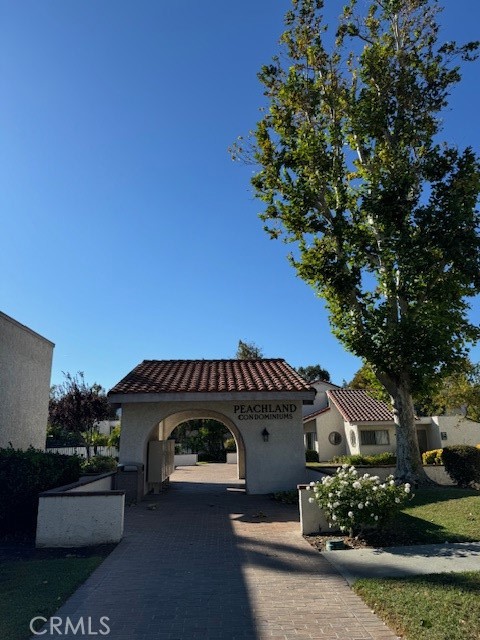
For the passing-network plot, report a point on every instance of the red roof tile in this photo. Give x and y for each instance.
(200, 376)
(356, 405)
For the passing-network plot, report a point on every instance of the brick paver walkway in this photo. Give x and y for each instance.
(205, 561)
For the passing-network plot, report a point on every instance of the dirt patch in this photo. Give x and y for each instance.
(320, 542)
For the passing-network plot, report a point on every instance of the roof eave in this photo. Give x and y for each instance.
(306, 396)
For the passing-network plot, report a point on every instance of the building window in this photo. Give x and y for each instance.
(374, 437)
(335, 438)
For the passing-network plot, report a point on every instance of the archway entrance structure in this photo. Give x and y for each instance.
(259, 401)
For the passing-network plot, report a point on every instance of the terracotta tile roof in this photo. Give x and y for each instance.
(356, 405)
(314, 414)
(190, 376)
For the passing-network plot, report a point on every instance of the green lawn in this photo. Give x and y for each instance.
(436, 516)
(38, 587)
(434, 607)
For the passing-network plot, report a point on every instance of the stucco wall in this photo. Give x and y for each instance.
(276, 465)
(80, 520)
(459, 430)
(327, 423)
(25, 369)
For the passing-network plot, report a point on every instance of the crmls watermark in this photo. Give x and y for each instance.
(62, 626)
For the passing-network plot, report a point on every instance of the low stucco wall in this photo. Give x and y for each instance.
(312, 519)
(81, 515)
(436, 473)
(185, 459)
(232, 458)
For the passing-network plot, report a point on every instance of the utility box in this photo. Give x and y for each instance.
(161, 454)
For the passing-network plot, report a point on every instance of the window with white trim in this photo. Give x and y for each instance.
(377, 437)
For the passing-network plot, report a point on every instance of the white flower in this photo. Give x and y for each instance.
(312, 484)
(309, 488)
(372, 515)
(367, 502)
(357, 485)
(342, 528)
(407, 489)
(407, 484)
(383, 486)
(336, 504)
(360, 505)
(376, 518)
(311, 500)
(397, 500)
(366, 475)
(392, 482)
(330, 495)
(374, 488)
(350, 514)
(334, 517)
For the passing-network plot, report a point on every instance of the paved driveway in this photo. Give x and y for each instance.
(205, 561)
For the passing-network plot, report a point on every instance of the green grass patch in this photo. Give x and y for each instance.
(436, 516)
(434, 607)
(38, 587)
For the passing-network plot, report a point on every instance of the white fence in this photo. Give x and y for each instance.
(82, 451)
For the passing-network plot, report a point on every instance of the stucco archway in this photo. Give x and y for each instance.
(165, 428)
(259, 401)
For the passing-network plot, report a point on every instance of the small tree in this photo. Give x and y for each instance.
(77, 407)
(248, 351)
(313, 372)
(382, 213)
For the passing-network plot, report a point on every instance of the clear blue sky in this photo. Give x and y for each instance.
(126, 230)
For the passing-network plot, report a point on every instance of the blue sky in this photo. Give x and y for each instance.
(127, 232)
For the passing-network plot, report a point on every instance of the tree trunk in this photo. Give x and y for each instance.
(409, 462)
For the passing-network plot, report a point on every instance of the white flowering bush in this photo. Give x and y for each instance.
(354, 503)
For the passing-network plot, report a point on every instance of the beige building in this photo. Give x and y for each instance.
(349, 421)
(259, 401)
(25, 370)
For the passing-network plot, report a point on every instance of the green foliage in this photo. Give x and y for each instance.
(373, 460)
(25, 474)
(382, 213)
(462, 463)
(311, 455)
(205, 437)
(99, 464)
(435, 456)
(248, 351)
(313, 372)
(114, 437)
(354, 503)
(230, 445)
(365, 378)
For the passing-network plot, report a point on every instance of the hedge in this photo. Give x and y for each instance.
(25, 474)
(462, 463)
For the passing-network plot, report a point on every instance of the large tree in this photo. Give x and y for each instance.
(314, 372)
(381, 211)
(76, 407)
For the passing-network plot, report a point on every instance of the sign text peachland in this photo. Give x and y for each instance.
(264, 411)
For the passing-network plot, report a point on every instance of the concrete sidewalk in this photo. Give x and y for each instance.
(205, 561)
(405, 561)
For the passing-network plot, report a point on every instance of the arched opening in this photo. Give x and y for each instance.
(205, 437)
(163, 430)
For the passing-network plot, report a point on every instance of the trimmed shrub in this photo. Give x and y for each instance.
(433, 457)
(311, 455)
(99, 464)
(385, 458)
(25, 474)
(287, 497)
(462, 463)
